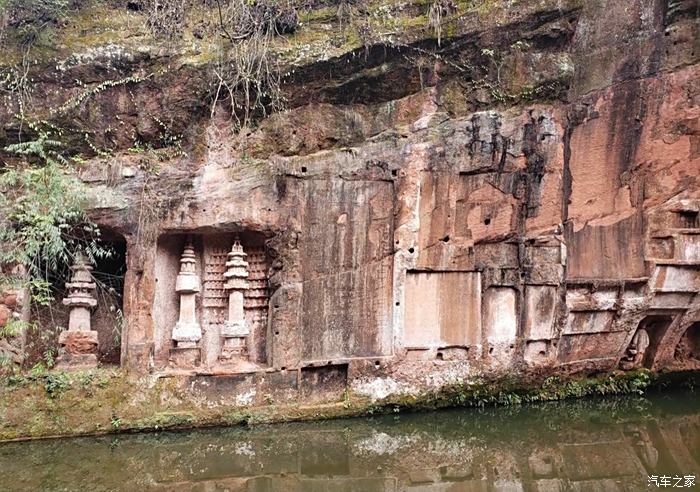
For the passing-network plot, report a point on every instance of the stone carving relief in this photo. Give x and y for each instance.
(215, 298)
(235, 331)
(256, 300)
(634, 355)
(187, 332)
(223, 315)
(79, 343)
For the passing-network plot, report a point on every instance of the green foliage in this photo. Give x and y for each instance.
(86, 379)
(44, 223)
(76, 101)
(42, 226)
(6, 363)
(55, 383)
(513, 392)
(15, 84)
(43, 148)
(11, 328)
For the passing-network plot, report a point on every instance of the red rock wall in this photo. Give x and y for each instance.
(470, 216)
(454, 244)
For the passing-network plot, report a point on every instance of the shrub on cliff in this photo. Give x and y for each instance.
(43, 223)
(241, 19)
(31, 18)
(437, 10)
(44, 216)
(237, 19)
(166, 18)
(248, 78)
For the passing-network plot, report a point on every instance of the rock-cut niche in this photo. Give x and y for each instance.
(108, 319)
(687, 353)
(107, 316)
(642, 349)
(211, 256)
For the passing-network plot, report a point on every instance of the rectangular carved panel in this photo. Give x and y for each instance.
(256, 300)
(442, 308)
(214, 298)
(610, 252)
(346, 246)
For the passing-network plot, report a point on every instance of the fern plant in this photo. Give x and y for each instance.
(44, 222)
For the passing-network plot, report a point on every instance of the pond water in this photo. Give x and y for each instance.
(586, 445)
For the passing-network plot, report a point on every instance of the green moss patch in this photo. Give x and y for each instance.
(107, 401)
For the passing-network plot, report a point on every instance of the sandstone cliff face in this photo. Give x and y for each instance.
(525, 198)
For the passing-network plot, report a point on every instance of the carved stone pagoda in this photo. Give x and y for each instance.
(187, 332)
(79, 344)
(235, 330)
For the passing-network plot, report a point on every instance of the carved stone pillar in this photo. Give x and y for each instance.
(187, 332)
(79, 344)
(235, 331)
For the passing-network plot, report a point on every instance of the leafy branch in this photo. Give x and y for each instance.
(44, 220)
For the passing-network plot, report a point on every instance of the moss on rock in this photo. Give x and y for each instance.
(108, 401)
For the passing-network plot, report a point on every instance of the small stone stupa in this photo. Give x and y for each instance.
(187, 332)
(79, 344)
(235, 332)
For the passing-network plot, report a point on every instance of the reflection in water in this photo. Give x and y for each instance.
(591, 445)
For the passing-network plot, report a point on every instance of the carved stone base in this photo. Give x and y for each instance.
(234, 329)
(631, 362)
(78, 341)
(229, 355)
(78, 349)
(233, 348)
(187, 333)
(185, 357)
(66, 361)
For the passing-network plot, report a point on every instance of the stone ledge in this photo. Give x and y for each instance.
(141, 404)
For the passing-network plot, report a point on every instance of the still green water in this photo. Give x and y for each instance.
(586, 445)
